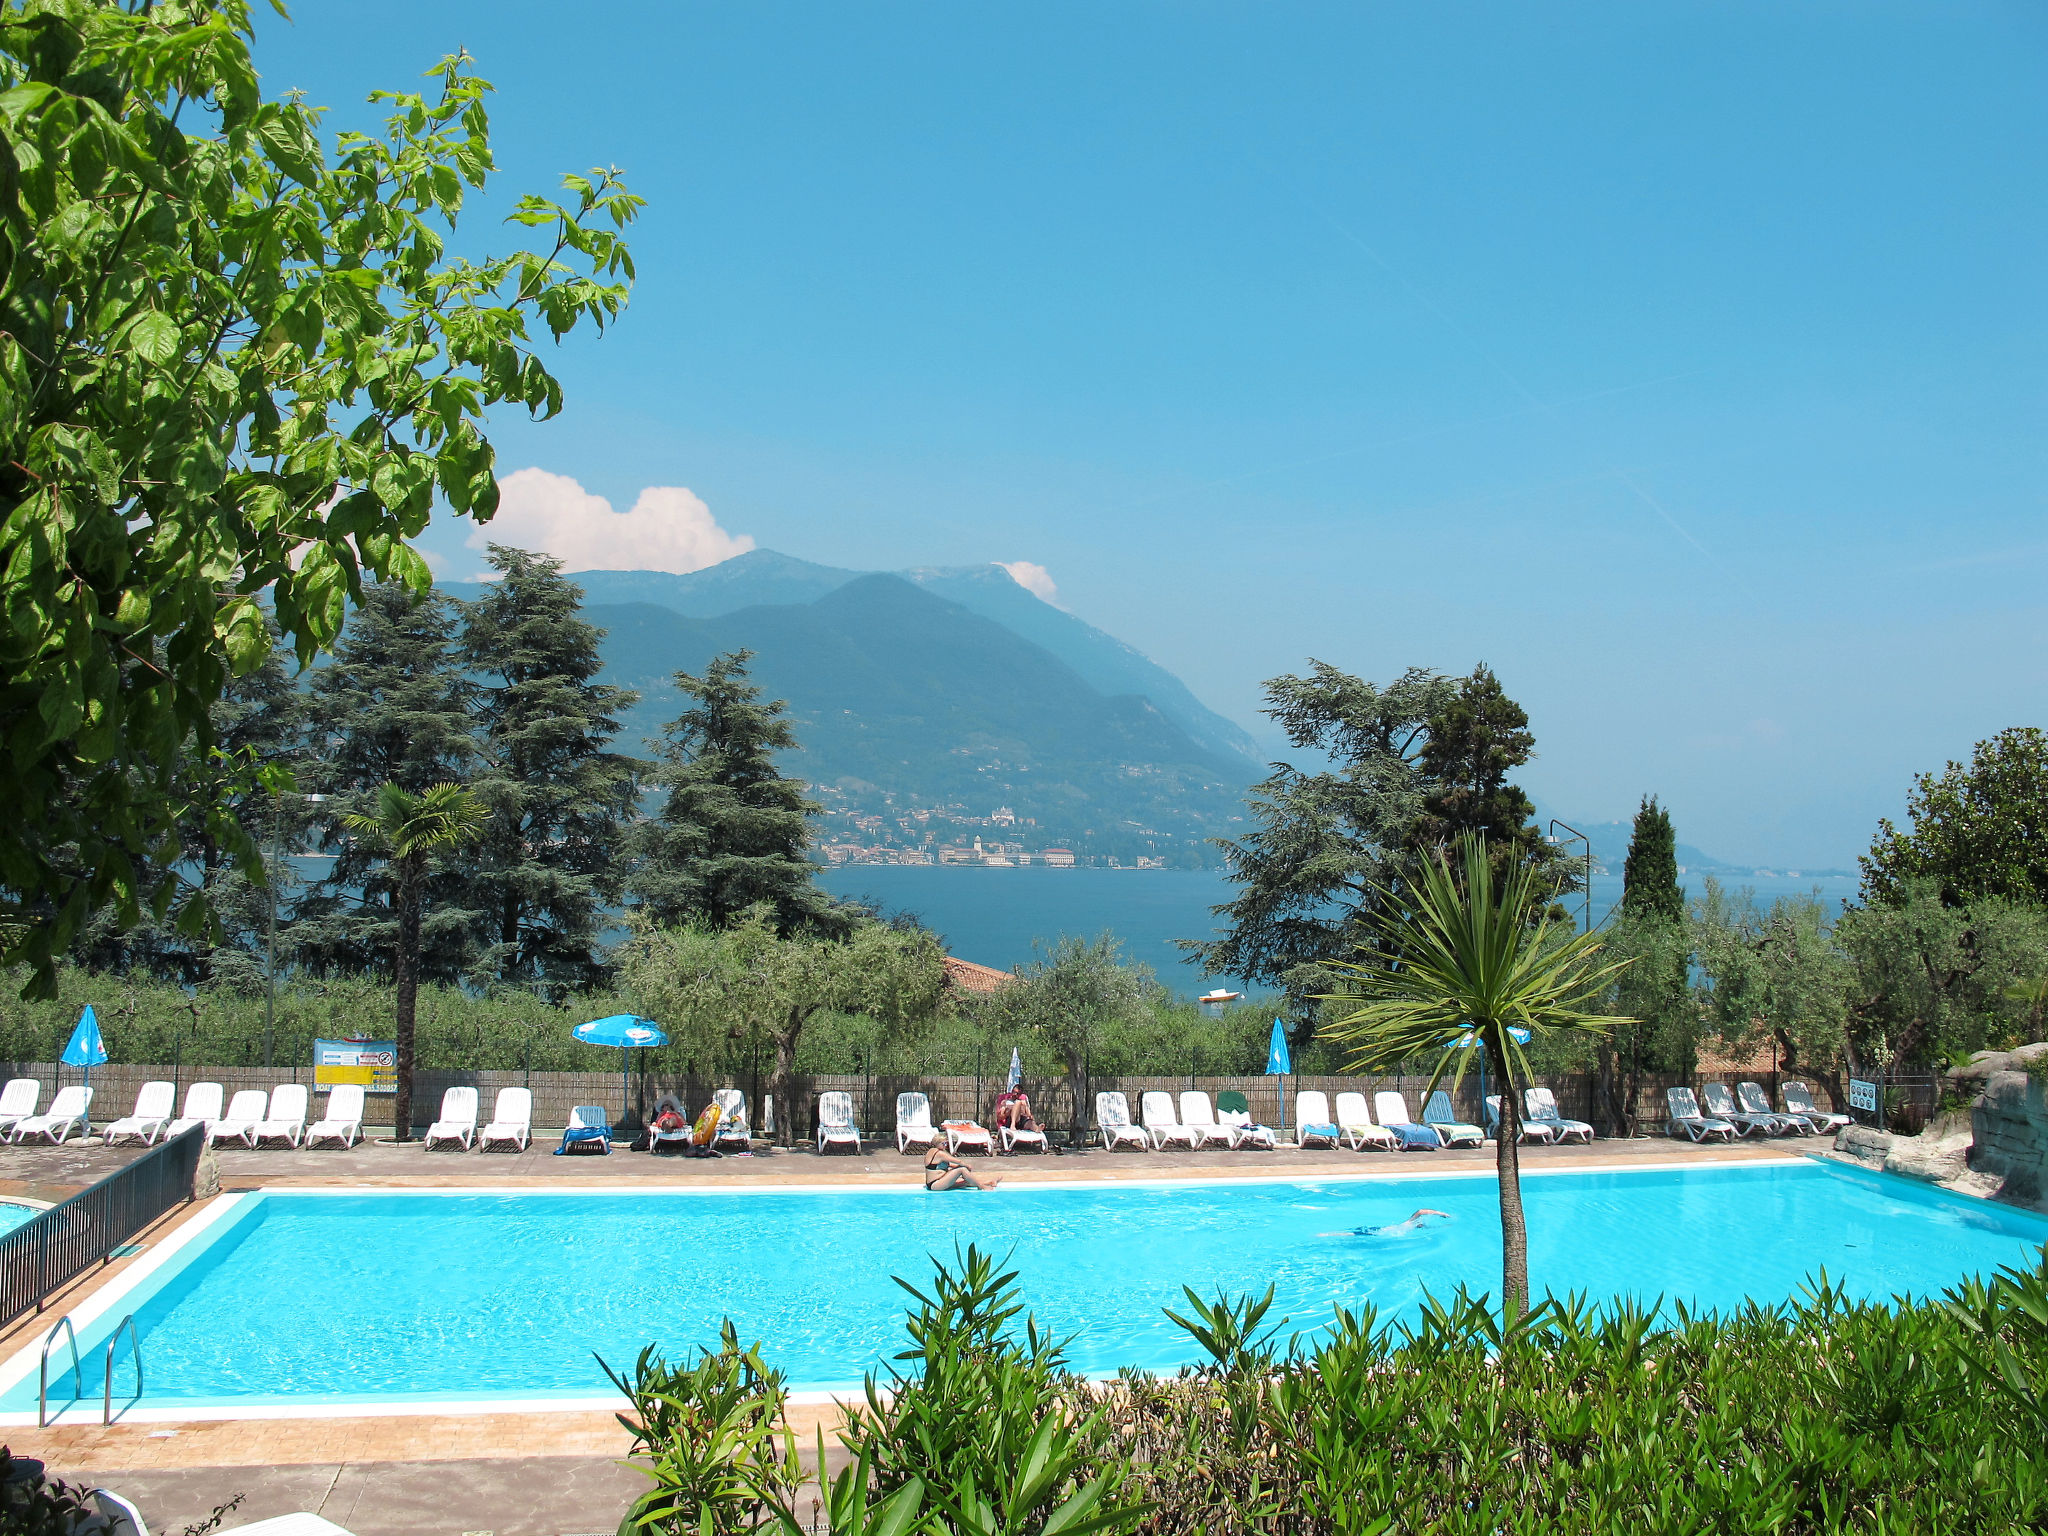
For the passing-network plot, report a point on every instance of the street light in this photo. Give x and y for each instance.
(1576, 833)
(270, 930)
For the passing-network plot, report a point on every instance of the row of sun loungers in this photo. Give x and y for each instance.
(1746, 1111)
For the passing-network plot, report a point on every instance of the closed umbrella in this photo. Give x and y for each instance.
(86, 1049)
(1016, 1068)
(1279, 1064)
(626, 1031)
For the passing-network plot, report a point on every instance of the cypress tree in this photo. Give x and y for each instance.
(1649, 880)
(733, 830)
(552, 852)
(394, 706)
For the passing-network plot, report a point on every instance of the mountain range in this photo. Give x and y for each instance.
(937, 705)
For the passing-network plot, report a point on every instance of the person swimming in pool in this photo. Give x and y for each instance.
(1415, 1223)
(944, 1171)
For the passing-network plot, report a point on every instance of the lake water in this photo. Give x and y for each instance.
(997, 916)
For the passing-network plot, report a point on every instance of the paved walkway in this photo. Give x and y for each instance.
(552, 1474)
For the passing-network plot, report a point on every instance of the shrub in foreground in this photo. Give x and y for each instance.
(1820, 1416)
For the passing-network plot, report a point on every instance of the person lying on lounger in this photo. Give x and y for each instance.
(1415, 1223)
(944, 1171)
(1013, 1108)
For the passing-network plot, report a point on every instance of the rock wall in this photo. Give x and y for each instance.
(2009, 1121)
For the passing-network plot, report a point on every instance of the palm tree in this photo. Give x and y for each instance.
(1473, 959)
(409, 830)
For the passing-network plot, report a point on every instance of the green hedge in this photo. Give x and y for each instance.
(1822, 1416)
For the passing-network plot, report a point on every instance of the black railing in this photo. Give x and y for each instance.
(42, 1254)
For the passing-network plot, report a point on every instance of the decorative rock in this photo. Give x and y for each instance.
(1861, 1144)
(2009, 1118)
(206, 1175)
(1937, 1155)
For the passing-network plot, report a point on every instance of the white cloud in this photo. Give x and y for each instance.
(1033, 578)
(668, 529)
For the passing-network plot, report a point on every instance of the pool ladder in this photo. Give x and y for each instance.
(127, 1326)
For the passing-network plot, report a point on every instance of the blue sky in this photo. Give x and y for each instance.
(1684, 362)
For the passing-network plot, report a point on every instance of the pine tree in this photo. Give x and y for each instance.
(1649, 880)
(733, 830)
(1475, 741)
(393, 707)
(560, 802)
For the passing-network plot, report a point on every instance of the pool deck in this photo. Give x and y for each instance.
(554, 1472)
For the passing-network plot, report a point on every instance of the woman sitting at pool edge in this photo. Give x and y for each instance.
(944, 1171)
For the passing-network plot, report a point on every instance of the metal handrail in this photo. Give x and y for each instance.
(43, 1371)
(135, 1339)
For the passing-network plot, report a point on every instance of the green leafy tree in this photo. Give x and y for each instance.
(234, 359)
(1654, 988)
(1776, 973)
(395, 706)
(561, 802)
(1328, 843)
(408, 832)
(1075, 1000)
(724, 993)
(733, 831)
(1975, 831)
(1472, 955)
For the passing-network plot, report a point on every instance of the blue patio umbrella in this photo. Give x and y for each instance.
(86, 1049)
(1279, 1064)
(626, 1031)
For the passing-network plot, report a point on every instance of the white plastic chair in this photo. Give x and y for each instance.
(968, 1135)
(1441, 1117)
(18, 1101)
(1014, 1137)
(732, 1120)
(457, 1122)
(1161, 1124)
(1313, 1120)
(1686, 1120)
(1248, 1133)
(285, 1120)
(1391, 1110)
(835, 1121)
(246, 1111)
(67, 1114)
(1355, 1125)
(343, 1121)
(1113, 1120)
(202, 1107)
(154, 1106)
(1541, 1105)
(1532, 1127)
(914, 1121)
(1200, 1119)
(511, 1121)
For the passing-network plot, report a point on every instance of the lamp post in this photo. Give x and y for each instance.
(1587, 842)
(270, 926)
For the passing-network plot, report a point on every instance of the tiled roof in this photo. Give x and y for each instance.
(969, 977)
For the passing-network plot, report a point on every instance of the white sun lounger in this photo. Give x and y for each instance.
(1720, 1104)
(1113, 1120)
(154, 1106)
(1440, 1117)
(1528, 1128)
(246, 1111)
(1161, 1124)
(835, 1121)
(343, 1121)
(1798, 1101)
(1013, 1137)
(1686, 1119)
(457, 1122)
(1391, 1110)
(1755, 1101)
(285, 1120)
(914, 1122)
(1249, 1133)
(1200, 1119)
(301, 1524)
(967, 1135)
(732, 1120)
(202, 1107)
(511, 1121)
(67, 1114)
(1355, 1124)
(1541, 1105)
(18, 1101)
(1313, 1121)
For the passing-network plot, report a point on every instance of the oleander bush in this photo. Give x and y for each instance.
(1824, 1415)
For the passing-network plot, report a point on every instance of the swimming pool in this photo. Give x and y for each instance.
(340, 1297)
(15, 1213)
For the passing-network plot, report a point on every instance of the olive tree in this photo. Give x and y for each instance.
(237, 358)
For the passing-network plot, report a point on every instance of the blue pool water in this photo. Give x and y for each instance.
(13, 1214)
(472, 1296)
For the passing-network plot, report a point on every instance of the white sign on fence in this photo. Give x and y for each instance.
(1862, 1095)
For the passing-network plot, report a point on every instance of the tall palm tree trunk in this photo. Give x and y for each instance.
(405, 970)
(1514, 1233)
